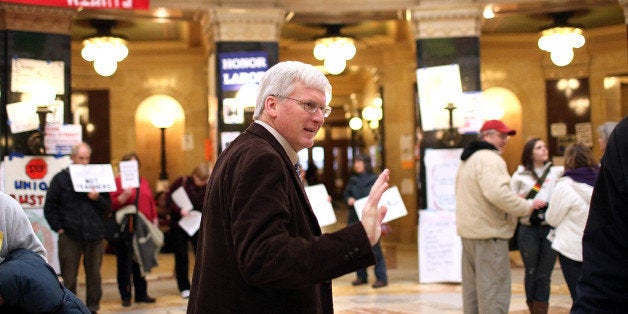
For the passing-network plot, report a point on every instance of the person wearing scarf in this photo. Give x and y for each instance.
(568, 211)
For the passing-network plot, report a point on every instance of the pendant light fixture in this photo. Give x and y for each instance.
(335, 49)
(104, 48)
(560, 38)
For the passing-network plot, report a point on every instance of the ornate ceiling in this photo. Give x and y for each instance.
(371, 22)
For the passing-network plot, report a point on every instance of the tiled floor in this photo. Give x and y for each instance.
(404, 294)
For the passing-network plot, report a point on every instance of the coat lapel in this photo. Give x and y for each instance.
(260, 131)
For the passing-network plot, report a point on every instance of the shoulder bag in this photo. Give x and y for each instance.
(537, 215)
(114, 231)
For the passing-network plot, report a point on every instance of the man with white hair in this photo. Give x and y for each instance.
(260, 248)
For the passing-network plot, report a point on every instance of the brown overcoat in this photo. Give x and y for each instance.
(260, 248)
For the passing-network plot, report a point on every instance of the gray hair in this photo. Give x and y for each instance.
(280, 80)
(484, 133)
(76, 147)
(605, 130)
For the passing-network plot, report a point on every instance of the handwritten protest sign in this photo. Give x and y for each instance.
(129, 174)
(93, 177)
(318, 196)
(439, 247)
(391, 199)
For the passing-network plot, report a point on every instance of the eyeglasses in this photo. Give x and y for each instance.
(308, 106)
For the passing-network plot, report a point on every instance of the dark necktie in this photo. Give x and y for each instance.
(297, 168)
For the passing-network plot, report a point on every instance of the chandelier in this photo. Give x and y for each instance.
(561, 38)
(104, 48)
(335, 49)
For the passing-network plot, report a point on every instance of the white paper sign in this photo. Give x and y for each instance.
(191, 222)
(60, 138)
(22, 117)
(438, 86)
(92, 177)
(318, 196)
(440, 247)
(28, 74)
(440, 177)
(129, 175)
(391, 199)
(181, 198)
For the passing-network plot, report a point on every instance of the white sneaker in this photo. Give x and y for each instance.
(185, 294)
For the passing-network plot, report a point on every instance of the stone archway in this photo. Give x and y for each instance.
(148, 137)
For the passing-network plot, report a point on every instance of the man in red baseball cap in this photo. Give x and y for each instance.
(496, 133)
(486, 217)
(498, 126)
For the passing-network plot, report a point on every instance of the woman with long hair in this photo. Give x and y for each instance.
(535, 179)
(569, 209)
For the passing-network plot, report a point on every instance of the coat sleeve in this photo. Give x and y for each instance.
(270, 228)
(515, 182)
(495, 185)
(52, 209)
(561, 201)
(26, 283)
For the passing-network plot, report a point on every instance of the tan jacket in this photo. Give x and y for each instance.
(486, 207)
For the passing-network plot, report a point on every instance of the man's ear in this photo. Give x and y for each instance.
(270, 106)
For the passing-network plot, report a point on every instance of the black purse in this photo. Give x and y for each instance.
(116, 232)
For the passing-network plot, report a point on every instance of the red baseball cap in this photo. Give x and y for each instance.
(497, 126)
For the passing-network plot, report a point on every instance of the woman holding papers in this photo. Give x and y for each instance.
(185, 200)
(359, 186)
(138, 194)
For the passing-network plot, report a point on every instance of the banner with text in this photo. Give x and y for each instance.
(27, 178)
(88, 4)
(241, 68)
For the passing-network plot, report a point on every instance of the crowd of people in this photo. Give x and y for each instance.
(551, 208)
(259, 245)
(78, 219)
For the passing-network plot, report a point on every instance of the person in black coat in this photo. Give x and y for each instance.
(260, 247)
(78, 219)
(603, 286)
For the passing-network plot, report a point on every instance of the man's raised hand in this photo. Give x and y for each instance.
(371, 215)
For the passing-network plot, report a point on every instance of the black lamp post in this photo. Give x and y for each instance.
(162, 120)
(163, 175)
(42, 112)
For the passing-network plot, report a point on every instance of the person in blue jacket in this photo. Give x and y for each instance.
(359, 186)
(28, 284)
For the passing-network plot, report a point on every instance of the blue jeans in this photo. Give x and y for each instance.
(572, 270)
(380, 266)
(539, 259)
